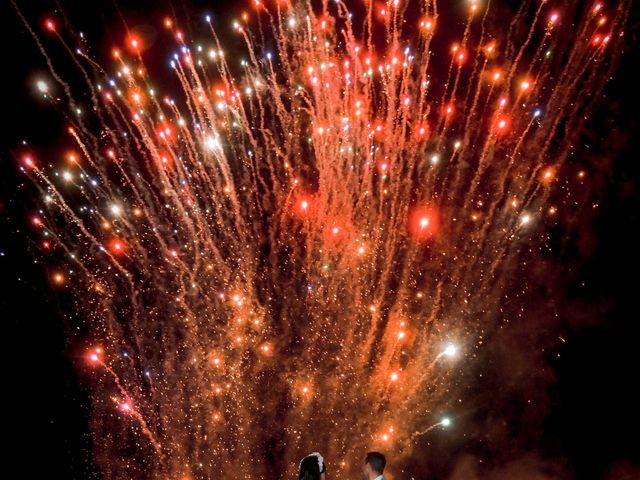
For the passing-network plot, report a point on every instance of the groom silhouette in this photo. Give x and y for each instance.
(374, 464)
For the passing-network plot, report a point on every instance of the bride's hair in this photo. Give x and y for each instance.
(311, 467)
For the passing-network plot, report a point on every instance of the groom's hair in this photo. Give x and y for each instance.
(376, 461)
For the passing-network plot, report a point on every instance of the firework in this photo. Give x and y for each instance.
(298, 248)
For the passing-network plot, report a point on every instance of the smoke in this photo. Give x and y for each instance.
(530, 466)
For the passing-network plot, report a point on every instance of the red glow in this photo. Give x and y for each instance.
(422, 131)
(427, 24)
(95, 356)
(336, 232)
(165, 132)
(448, 110)
(548, 175)
(135, 43)
(304, 206)
(28, 161)
(423, 223)
(383, 167)
(117, 246)
(501, 124)
(72, 157)
(526, 85)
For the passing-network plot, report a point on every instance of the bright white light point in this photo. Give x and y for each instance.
(536, 113)
(457, 145)
(42, 86)
(212, 143)
(424, 222)
(434, 158)
(445, 422)
(394, 376)
(526, 218)
(116, 210)
(292, 22)
(450, 350)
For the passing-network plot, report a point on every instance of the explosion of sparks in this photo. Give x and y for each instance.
(296, 250)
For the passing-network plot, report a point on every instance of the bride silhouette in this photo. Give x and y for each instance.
(312, 467)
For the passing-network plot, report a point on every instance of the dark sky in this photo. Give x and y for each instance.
(586, 423)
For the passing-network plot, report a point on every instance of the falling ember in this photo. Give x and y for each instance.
(303, 206)
(548, 175)
(501, 125)
(423, 222)
(289, 235)
(117, 246)
(135, 44)
(427, 24)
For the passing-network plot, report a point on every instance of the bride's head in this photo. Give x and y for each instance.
(312, 467)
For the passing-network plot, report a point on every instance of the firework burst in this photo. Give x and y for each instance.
(297, 249)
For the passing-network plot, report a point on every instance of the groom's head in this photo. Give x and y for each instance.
(374, 464)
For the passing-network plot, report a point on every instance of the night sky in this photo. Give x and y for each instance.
(556, 395)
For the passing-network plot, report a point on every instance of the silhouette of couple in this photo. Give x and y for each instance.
(312, 467)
